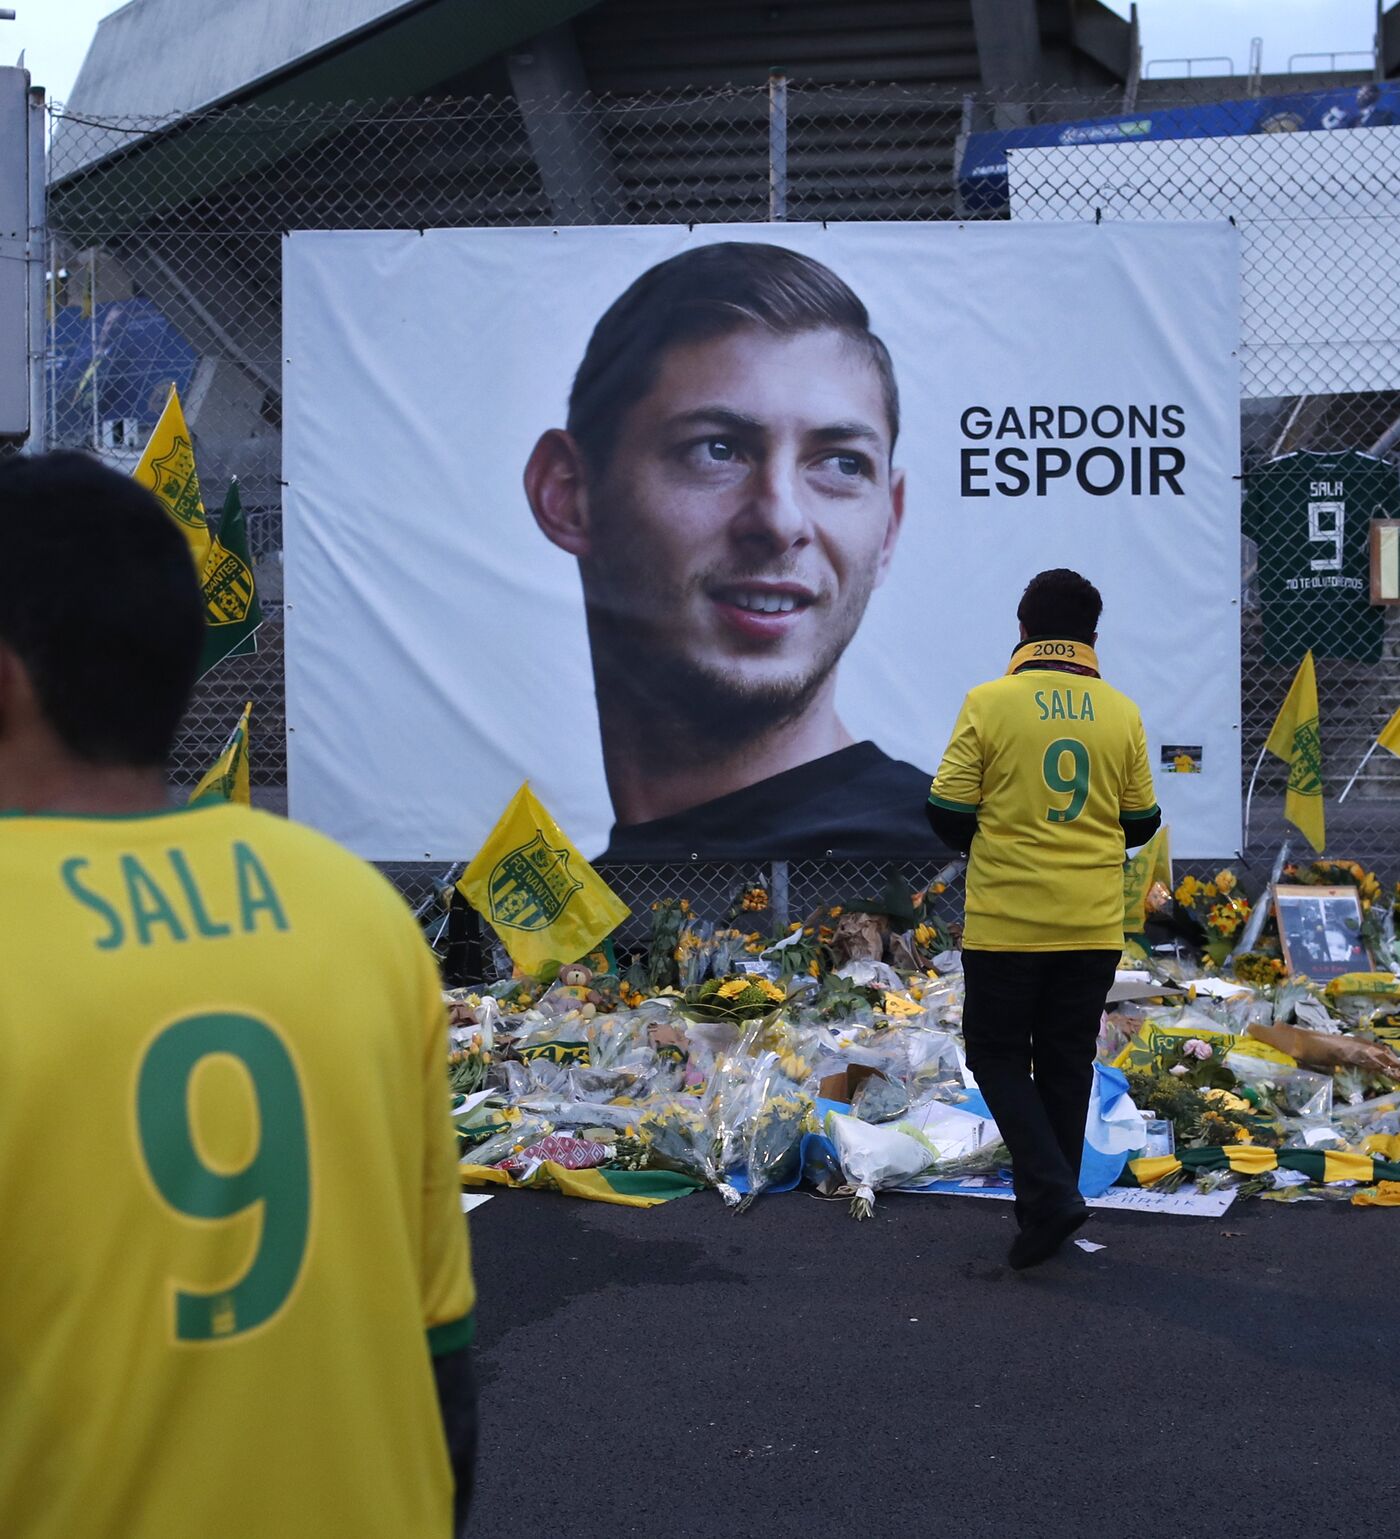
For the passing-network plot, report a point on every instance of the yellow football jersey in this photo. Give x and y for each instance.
(1049, 761)
(228, 1187)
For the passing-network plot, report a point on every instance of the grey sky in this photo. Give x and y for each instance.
(55, 33)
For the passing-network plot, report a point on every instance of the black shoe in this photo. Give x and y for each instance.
(1038, 1242)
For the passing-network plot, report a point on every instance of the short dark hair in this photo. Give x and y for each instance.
(100, 602)
(1060, 603)
(701, 294)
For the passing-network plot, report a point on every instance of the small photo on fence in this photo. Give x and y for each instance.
(1182, 758)
(1320, 929)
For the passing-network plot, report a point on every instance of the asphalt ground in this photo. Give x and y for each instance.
(695, 1374)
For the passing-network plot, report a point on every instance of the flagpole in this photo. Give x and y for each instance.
(1365, 761)
(1254, 925)
(1249, 795)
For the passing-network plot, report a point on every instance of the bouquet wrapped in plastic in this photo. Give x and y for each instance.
(782, 1113)
(875, 1156)
(678, 1136)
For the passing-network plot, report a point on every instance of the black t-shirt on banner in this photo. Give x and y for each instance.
(1311, 516)
(848, 805)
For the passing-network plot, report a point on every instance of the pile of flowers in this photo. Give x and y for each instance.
(1218, 907)
(706, 1050)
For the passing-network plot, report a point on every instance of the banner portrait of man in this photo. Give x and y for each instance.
(727, 482)
(705, 532)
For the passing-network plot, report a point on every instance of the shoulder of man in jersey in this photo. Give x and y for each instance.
(347, 883)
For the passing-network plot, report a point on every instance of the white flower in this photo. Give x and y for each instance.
(1180, 1069)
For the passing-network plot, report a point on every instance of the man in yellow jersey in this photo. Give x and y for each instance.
(234, 1259)
(1045, 782)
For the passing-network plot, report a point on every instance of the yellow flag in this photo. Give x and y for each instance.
(1151, 864)
(167, 469)
(1389, 738)
(537, 892)
(1297, 740)
(226, 779)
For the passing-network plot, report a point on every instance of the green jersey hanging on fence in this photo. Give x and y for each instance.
(1311, 515)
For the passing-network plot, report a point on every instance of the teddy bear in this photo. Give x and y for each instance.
(571, 992)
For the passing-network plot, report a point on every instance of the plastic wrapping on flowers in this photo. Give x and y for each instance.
(706, 1053)
(874, 1157)
(783, 1112)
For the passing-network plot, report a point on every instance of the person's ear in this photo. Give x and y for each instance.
(556, 483)
(8, 682)
(16, 692)
(895, 524)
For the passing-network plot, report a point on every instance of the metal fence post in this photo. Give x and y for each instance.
(777, 145)
(778, 894)
(36, 253)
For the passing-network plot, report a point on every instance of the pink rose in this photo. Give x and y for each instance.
(1195, 1048)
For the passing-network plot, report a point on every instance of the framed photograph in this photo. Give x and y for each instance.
(1385, 560)
(1320, 928)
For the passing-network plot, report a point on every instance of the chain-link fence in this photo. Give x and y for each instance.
(166, 267)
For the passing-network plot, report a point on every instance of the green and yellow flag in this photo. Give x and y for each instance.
(231, 608)
(1389, 738)
(1151, 864)
(225, 571)
(537, 892)
(226, 779)
(1297, 740)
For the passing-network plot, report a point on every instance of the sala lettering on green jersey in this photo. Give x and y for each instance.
(149, 905)
(1062, 705)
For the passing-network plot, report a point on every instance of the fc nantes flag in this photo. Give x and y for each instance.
(540, 895)
(225, 572)
(1151, 864)
(226, 780)
(1389, 738)
(1297, 741)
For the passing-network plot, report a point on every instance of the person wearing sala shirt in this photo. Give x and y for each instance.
(255, 1318)
(1044, 783)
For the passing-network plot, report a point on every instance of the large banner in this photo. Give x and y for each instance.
(707, 532)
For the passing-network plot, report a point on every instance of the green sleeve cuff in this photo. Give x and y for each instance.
(1140, 812)
(452, 1335)
(949, 806)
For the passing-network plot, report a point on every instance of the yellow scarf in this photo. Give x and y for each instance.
(1052, 654)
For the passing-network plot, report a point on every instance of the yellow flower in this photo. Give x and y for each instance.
(814, 968)
(1226, 881)
(733, 988)
(939, 888)
(836, 912)
(923, 934)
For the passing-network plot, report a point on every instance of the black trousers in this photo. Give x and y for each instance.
(1031, 1023)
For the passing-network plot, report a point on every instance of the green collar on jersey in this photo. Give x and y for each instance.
(107, 817)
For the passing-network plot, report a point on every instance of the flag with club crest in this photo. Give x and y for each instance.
(225, 571)
(1297, 740)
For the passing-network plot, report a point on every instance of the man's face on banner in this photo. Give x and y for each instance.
(746, 514)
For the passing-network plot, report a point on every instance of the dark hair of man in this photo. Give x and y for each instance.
(700, 295)
(99, 601)
(1060, 603)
